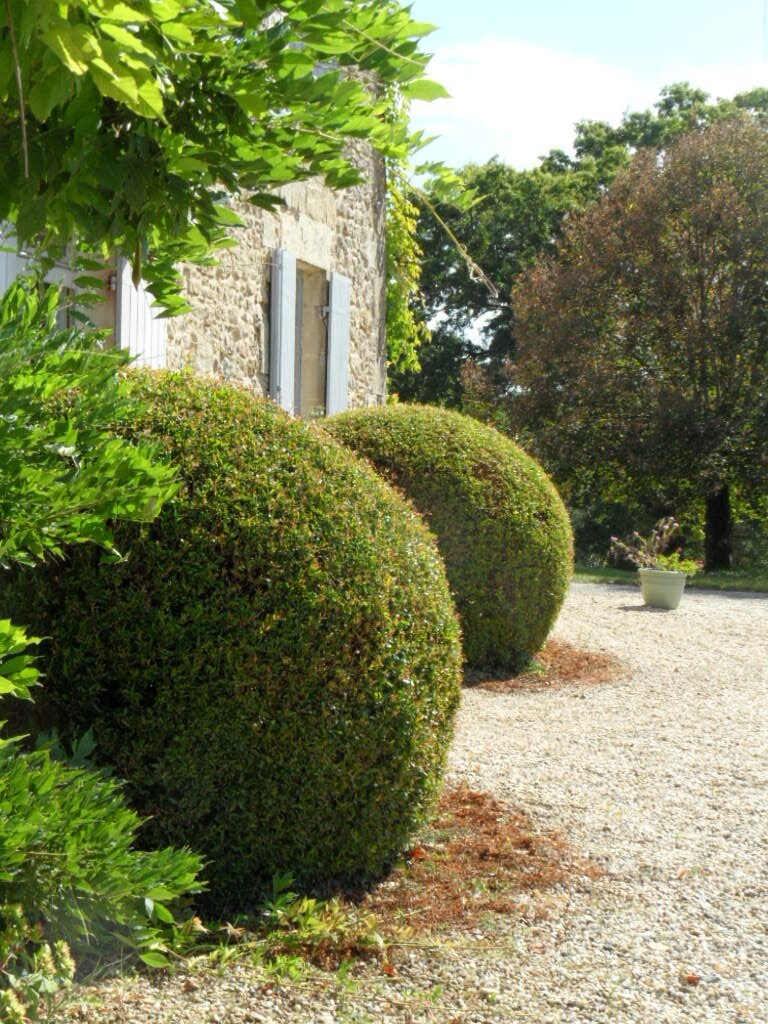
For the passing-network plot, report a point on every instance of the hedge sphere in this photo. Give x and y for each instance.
(275, 667)
(500, 524)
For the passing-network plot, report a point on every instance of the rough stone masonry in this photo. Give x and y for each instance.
(227, 332)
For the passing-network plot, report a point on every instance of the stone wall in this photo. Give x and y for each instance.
(227, 332)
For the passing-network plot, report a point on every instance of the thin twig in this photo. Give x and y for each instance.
(475, 272)
(377, 43)
(20, 88)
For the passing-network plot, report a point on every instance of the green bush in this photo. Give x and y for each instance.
(500, 524)
(275, 667)
(70, 875)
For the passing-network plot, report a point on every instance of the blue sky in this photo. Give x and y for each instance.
(521, 72)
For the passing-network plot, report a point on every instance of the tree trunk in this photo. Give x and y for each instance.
(717, 530)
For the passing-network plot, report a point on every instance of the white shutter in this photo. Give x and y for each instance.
(337, 383)
(138, 327)
(11, 263)
(282, 329)
(9, 269)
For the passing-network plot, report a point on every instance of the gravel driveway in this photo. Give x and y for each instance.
(660, 777)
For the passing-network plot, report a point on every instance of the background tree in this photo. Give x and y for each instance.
(643, 344)
(680, 109)
(130, 124)
(518, 218)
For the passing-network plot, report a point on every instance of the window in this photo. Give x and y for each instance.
(309, 337)
(310, 363)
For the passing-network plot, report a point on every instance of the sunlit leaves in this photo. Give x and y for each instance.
(17, 670)
(425, 89)
(64, 475)
(199, 95)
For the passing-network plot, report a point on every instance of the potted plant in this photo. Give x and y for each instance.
(660, 565)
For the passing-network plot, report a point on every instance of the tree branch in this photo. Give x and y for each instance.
(476, 272)
(19, 87)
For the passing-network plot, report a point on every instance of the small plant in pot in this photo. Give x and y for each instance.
(659, 562)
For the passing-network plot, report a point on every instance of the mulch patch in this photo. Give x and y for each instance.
(557, 664)
(479, 857)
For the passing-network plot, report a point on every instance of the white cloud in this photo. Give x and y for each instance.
(519, 101)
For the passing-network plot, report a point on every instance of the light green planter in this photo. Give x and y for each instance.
(662, 588)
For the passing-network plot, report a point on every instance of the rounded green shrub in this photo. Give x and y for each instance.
(275, 667)
(500, 524)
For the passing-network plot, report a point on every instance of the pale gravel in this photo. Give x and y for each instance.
(661, 777)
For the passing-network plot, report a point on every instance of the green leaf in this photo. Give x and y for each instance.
(117, 10)
(50, 92)
(159, 892)
(31, 219)
(16, 665)
(74, 45)
(226, 215)
(166, 10)
(425, 89)
(187, 165)
(86, 281)
(163, 914)
(6, 67)
(155, 959)
(150, 99)
(178, 30)
(126, 38)
(122, 89)
(419, 28)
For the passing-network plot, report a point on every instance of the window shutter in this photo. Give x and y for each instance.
(282, 329)
(337, 385)
(11, 263)
(137, 326)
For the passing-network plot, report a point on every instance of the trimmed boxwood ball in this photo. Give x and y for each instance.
(501, 527)
(275, 667)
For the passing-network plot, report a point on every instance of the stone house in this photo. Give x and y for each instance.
(295, 311)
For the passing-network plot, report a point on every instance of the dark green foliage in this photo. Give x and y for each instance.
(276, 666)
(439, 379)
(517, 214)
(501, 527)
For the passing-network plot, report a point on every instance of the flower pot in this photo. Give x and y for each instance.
(662, 588)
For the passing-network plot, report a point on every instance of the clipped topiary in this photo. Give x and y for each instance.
(275, 667)
(500, 524)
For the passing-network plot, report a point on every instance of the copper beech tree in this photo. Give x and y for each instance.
(643, 343)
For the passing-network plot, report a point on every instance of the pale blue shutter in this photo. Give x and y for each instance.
(337, 383)
(137, 325)
(11, 263)
(282, 329)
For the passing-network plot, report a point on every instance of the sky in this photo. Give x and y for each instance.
(522, 72)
